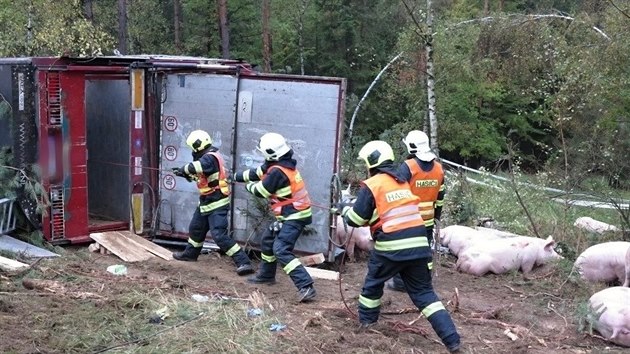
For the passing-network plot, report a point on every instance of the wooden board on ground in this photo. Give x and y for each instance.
(11, 265)
(121, 246)
(322, 273)
(312, 259)
(148, 245)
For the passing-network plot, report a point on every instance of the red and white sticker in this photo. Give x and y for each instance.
(170, 123)
(169, 182)
(170, 152)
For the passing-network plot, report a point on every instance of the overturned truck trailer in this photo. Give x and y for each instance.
(106, 131)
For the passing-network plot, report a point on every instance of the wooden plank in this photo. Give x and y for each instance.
(148, 245)
(11, 265)
(124, 248)
(322, 273)
(312, 259)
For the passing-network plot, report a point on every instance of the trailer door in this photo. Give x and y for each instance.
(236, 111)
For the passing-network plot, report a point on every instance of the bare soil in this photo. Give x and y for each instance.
(541, 313)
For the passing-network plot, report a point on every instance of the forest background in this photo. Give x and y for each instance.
(538, 87)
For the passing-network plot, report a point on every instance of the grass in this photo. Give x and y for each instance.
(467, 202)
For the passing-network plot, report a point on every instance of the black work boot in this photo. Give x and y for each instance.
(244, 269)
(190, 254)
(306, 294)
(259, 279)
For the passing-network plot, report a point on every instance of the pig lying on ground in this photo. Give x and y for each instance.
(353, 236)
(592, 225)
(605, 262)
(458, 237)
(495, 232)
(503, 255)
(611, 314)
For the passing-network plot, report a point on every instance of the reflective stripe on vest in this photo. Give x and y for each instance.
(203, 182)
(399, 215)
(295, 194)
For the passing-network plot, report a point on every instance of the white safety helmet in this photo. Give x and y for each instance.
(375, 153)
(417, 143)
(273, 146)
(198, 140)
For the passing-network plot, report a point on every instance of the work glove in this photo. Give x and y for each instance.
(230, 179)
(275, 226)
(179, 172)
(341, 208)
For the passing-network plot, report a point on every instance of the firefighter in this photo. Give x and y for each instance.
(208, 170)
(386, 203)
(426, 179)
(279, 181)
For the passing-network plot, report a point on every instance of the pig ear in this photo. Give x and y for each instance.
(550, 243)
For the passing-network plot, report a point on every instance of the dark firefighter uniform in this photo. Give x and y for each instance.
(386, 204)
(211, 214)
(426, 180)
(281, 183)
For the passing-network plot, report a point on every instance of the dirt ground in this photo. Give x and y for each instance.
(540, 313)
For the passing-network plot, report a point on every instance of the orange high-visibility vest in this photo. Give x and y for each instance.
(396, 206)
(203, 182)
(426, 185)
(294, 194)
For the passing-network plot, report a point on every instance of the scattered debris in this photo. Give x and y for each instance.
(159, 316)
(94, 247)
(8, 243)
(11, 265)
(322, 273)
(510, 335)
(254, 312)
(277, 327)
(130, 247)
(117, 269)
(200, 298)
(312, 259)
(54, 287)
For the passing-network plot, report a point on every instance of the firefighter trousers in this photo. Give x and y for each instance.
(416, 275)
(216, 222)
(397, 279)
(277, 247)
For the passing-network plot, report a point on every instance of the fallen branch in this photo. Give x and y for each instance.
(490, 314)
(142, 339)
(401, 311)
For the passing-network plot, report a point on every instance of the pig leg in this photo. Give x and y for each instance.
(627, 277)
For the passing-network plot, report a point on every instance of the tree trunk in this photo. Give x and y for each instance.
(266, 35)
(303, 5)
(224, 28)
(433, 123)
(501, 5)
(486, 7)
(177, 25)
(88, 11)
(122, 26)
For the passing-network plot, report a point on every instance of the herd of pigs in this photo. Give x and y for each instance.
(483, 250)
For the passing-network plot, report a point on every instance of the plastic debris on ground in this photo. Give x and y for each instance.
(117, 269)
(254, 312)
(277, 327)
(159, 316)
(200, 298)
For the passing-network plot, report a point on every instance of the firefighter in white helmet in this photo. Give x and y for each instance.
(385, 203)
(208, 170)
(426, 178)
(279, 181)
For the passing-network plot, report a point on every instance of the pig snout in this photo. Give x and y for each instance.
(610, 314)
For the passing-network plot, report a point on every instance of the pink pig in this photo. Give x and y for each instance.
(457, 237)
(611, 314)
(351, 236)
(506, 254)
(605, 262)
